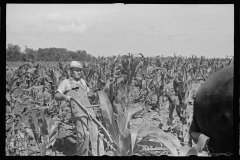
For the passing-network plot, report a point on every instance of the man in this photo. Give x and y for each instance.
(76, 88)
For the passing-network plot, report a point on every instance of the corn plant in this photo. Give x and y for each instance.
(128, 142)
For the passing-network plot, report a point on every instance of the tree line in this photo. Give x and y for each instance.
(14, 54)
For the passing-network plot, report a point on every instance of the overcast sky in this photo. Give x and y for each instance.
(112, 29)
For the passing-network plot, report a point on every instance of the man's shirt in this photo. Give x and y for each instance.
(65, 85)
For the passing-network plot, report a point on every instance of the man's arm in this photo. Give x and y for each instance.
(61, 97)
(63, 86)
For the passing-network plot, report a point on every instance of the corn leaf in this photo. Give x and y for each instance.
(186, 151)
(134, 134)
(202, 142)
(167, 143)
(170, 136)
(130, 112)
(168, 139)
(44, 126)
(125, 143)
(203, 154)
(107, 113)
(120, 119)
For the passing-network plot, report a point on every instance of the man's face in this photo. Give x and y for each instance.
(76, 73)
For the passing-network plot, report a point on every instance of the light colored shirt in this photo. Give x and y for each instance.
(65, 85)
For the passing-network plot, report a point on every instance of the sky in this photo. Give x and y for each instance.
(113, 29)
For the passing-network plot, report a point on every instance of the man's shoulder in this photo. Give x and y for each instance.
(63, 86)
(65, 80)
(82, 80)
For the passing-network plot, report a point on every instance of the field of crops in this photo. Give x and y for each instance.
(152, 96)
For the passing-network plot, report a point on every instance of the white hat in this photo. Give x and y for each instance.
(75, 64)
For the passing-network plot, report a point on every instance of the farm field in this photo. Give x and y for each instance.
(158, 92)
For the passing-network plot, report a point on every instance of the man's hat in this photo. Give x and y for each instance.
(75, 64)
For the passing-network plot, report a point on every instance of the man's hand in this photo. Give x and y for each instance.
(67, 98)
(92, 96)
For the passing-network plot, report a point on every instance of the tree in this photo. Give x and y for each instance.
(29, 54)
(13, 53)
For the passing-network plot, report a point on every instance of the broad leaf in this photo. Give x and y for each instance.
(134, 134)
(125, 143)
(202, 142)
(130, 111)
(186, 151)
(167, 143)
(107, 113)
(43, 124)
(169, 140)
(121, 120)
